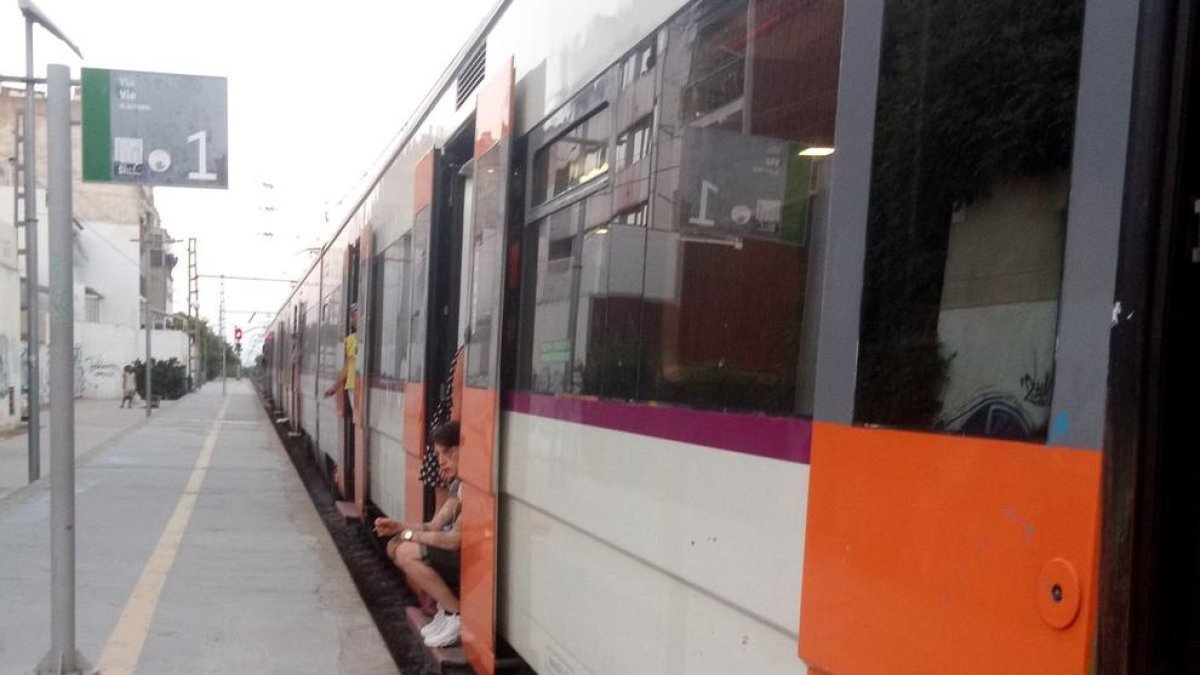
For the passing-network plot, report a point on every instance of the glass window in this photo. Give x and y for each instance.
(487, 251)
(390, 313)
(418, 294)
(967, 217)
(690, 289)
(549, 337)
(577, 157)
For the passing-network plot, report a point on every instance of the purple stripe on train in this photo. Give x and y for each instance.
(783, 438)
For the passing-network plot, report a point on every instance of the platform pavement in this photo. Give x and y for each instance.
(256, 585)
(97, 421)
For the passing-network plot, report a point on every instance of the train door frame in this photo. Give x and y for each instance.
(1150, 596)
(296, 366)
(445, 272)
(350, 287)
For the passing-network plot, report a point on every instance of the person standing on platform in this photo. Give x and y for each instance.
(128, 386)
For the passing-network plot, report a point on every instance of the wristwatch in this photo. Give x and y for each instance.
(406, 535)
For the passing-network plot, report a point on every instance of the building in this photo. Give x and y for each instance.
(118, 238)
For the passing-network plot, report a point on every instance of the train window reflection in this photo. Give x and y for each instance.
(390, 319)
(685, 281)
(633, 144)
(577, 157)
(967, 216)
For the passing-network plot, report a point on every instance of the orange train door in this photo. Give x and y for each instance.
(481, 393)
(414, 388)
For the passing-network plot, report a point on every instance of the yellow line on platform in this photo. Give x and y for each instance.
(124, 647)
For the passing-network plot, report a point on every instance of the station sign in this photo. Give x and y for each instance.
(155, 129)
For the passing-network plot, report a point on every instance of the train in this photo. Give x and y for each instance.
(827, 336)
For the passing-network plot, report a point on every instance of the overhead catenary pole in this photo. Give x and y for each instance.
(32, 281)
(62, 659)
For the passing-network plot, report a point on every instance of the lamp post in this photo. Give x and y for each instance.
(33, 15)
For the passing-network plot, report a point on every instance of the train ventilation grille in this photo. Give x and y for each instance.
(471, 75)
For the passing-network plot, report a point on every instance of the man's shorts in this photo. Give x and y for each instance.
(444, 562)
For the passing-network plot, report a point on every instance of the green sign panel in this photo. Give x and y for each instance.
(155, 129)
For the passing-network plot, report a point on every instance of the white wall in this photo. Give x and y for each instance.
(102, 350)
(106, 260)
(10, 320)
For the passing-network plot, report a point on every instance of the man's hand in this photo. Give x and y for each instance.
(386, 527)
(331, 391)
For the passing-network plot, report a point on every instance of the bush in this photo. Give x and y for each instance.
(170, 379)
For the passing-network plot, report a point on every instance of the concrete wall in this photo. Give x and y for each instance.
(106, 260)
(102, 350)
(10, 317)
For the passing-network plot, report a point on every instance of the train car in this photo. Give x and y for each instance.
(798, 334)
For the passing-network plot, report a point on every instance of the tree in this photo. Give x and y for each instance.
(210, 346)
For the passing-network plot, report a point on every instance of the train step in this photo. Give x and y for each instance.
(349, 511)
(449, 660)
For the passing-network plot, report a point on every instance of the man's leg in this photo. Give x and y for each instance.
(407, 557)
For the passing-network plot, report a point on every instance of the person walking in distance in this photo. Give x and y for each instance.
(128, 386)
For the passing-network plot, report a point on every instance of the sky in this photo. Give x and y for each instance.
(317, 90)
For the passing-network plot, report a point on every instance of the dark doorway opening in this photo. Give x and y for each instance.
(451, 207)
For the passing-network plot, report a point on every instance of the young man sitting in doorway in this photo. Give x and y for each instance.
(428, 553)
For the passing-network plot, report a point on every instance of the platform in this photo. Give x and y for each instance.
(199, 551)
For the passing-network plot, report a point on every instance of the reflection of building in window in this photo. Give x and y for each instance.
(389, 320)
(683, 279)
(633, 144)
(639, 62)
(967, 215)
(638, 216)
(577, 157)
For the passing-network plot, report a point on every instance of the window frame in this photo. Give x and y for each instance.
(1097, 171)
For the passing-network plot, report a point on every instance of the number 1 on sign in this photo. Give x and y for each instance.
(702, 219)
(200, 138)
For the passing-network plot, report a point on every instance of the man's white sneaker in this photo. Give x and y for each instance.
(435, 624)
(448, 634)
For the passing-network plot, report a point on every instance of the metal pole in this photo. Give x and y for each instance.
(224, 347)
(32, 277)
(62, 657)
(149, 365)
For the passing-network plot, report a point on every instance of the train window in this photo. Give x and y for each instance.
(552, 242)
(577, 157)
(690, 289)
(487, 249)
(967, 215)
(418, 270)
(390, 324)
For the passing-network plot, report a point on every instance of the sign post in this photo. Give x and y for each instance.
(62, 659)
(142, 128)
